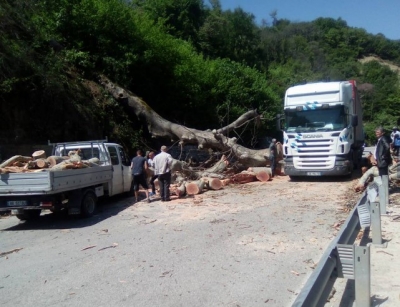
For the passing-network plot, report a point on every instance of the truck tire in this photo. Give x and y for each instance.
(29, 215)
(88, 205)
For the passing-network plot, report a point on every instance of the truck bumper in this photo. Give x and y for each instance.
(341, 168)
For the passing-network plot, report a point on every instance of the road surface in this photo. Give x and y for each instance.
(248, 245)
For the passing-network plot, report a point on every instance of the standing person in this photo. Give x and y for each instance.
(272, 156)
(396, 141)
(162, 168)
(150, 162)
(139, 167)
(382, 152)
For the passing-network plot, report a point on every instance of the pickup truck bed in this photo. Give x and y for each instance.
(46, 182)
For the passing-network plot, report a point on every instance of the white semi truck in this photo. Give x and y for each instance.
(323, 133)
(74, 190)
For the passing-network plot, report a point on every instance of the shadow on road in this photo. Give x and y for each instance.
(105, 209)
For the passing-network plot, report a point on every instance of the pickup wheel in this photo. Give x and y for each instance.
(29, 215)
(88, 205)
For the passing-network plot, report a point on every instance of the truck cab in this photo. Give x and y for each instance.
(108, 154)
(323, 133)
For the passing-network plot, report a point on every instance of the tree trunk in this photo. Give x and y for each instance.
(215, 139)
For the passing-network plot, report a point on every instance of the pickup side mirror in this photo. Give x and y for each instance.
(354, 120)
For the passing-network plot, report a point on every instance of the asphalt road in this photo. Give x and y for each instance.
(251, 245)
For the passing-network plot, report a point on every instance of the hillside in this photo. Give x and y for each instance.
(194, 64)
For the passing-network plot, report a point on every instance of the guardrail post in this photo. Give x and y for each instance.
(376, 223)
(362, 275)
(355, 264)
(384, 193)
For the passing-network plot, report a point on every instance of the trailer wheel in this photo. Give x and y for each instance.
(88, 205)
(29, 215)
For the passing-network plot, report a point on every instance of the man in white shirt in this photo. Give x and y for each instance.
(162, 168)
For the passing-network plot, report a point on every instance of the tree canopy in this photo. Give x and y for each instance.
(191, 61)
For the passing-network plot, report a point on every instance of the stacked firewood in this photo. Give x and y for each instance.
(39, 162)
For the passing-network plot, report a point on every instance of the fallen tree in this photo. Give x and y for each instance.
(215, 139)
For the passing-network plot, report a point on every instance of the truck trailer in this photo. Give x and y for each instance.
(322, 127)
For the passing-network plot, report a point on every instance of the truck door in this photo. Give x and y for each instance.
(118, 179)
(126, 169)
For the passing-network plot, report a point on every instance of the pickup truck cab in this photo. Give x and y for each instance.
(74, 190)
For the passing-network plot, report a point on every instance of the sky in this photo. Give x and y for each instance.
(375, 16)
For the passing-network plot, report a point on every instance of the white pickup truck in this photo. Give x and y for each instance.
(74, 190)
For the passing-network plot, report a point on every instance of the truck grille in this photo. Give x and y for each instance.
(313, 153)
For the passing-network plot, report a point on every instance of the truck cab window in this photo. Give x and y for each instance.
(113, 155)
(124, 157)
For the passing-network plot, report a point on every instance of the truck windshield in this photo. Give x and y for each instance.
(330, 119)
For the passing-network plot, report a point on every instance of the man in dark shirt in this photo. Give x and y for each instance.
(382, 152)
(139, 167)
(272, 156)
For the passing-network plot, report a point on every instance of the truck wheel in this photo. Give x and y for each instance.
(88, 205)
(29, 215)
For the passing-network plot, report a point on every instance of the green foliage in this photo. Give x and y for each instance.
(194, 64)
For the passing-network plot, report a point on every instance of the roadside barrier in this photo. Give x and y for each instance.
(343, 259)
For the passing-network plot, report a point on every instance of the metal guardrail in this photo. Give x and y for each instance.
(343, 259)
(319, 285)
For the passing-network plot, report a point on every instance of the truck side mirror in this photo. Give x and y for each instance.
(354, 120)
(279, 119)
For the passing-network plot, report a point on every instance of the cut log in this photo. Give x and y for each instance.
(263, 174)
(195, 187)
(213, 183)
(41, 163)
(61, 166)
(14, 159)
(180, 191)
(226, 182)
(93, 162)
(39, 154)
(53, 160)
(244, 177)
